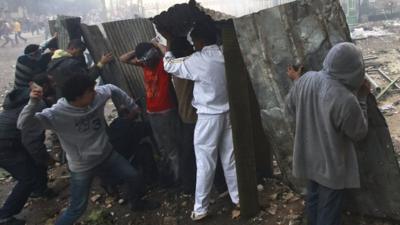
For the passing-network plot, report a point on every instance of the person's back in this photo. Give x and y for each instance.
(33, 62)
(210, 95)
(81, 131)
(71, 61)
(27, 66)
(24, 164)
(329, 120)
(7, 28)
(213, 131)
(62, 64)
(132, 139)
(12, 106)
(160, 105)
(322, 107)
(17, 27)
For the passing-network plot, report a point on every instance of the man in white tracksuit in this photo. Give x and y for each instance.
(213, 132)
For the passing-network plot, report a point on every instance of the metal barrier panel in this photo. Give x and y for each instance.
(97, 46)
(123, 36)
(304, 31)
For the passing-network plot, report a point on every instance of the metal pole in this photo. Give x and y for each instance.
(376, 87)
(387, 88)
(387, 78)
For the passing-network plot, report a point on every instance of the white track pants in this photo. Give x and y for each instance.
(213, 136)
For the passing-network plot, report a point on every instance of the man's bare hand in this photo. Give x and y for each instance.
(156, 42)
(293, 74)
(36, 91)
(106, 58)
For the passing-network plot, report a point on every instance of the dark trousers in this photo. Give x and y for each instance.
(166, 128)
(324, 205)
(188, 159)
(16, 161)
(25, 174)
(41, 179)
(80, 183)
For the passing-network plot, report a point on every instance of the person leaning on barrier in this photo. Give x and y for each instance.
(329, 109)
(33, 61)
(71, 61)
(213, 132)
(161, 107)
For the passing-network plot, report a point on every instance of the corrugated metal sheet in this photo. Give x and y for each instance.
(123, 36)
(270, 41)
(304, 31)
(52, 26)
(97, 46)
(68, 29)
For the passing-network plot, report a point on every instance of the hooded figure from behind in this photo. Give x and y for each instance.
(330, 118)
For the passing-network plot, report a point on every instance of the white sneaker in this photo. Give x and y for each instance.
(196, 217)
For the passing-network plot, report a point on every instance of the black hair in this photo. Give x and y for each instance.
(181, 47)
(76, 86)
(41, 79)
(148, 54)
(142, 48)
(77, 43)
(31, 49)
(123, 111)
(206, 31)
(53, 44)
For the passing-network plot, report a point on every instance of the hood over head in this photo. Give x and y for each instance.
(345, 63)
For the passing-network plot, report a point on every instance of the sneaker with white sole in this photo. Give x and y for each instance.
(196, 217)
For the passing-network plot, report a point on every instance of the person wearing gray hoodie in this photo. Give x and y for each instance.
(330, 116)
(78, 120)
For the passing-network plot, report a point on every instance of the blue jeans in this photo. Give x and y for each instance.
(80, 182)
(324, 205)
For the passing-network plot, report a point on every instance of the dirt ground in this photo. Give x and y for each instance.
(279, 205)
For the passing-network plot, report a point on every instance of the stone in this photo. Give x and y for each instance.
(169, 220)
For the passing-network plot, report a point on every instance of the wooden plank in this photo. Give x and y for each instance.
(240, 113)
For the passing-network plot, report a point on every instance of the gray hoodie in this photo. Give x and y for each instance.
(82, 131)
(329, 119)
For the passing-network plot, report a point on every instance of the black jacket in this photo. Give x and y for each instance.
(63, 67)
(16, 145)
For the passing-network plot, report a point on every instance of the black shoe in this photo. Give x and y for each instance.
(144, 205)
(48, 194)
(13, 221)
